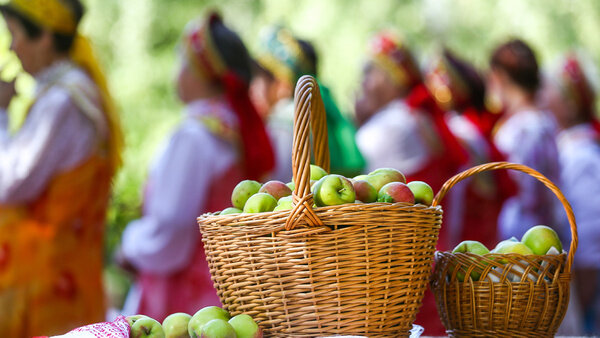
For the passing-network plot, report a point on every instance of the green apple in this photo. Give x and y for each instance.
(260, 202)
(422, 191)
(176, 325)
(230, 210)
(472, 247)
(144, 327)
(380, 177)
(291, 185)
(284, 203)
(359, 177)
(501, 243)
(203, 316)
(242, 192)
(276, 189)
(513, 247)
(540, 239)
(364, 191)
(395, 192)
(316, 172)
(245, 326)
(217, 328)
(334, 190)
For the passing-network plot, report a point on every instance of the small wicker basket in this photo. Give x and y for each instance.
(512, 295)
(353, 269)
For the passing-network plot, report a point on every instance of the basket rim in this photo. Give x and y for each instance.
(258, 224)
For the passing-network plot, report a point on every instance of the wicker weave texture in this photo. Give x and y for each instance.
(353, 269)
(509, 295)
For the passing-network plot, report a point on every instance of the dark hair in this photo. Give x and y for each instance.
(518, 60)
(62, 42)
(470, 77)
(311, 55)
(231, 48)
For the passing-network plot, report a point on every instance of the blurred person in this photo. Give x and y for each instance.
(405, 129)
(525, 135)
(56, 170)
(476, 202)
(282, 61)
(571, 98)
(221, 141)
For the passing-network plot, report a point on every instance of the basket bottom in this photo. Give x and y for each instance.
(498, 333)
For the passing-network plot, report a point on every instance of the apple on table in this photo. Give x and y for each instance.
(176, 325)
(145, 327)
(245, 327)
(203, 316)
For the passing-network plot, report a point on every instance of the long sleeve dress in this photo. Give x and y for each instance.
(54, 188)
(528, 137)
(194, 173)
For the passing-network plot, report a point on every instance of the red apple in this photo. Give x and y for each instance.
(276, 189)
(394, 192)
(380, 177)
(365, 192)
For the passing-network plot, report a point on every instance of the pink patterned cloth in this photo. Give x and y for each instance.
(119, 328)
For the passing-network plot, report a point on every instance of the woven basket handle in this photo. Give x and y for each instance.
(309, 113)
(519, 167)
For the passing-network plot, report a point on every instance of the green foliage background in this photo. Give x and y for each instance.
(137, 43)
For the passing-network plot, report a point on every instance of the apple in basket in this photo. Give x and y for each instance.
(203, 316)
(316, 172)
(540, 239)
(284, 203)
(382, 176)
(145, 327)
(230, 210)
(176, 325)
(364, 191)
(422, 191)
(472, 247)
(276, 189)
(242, 192)
(245, 327)
(333, 189)
(394, 192)
(260, 202)
(291, 185)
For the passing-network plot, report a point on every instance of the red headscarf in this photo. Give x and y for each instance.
(577, 86)
(389, 53)
(258, 158)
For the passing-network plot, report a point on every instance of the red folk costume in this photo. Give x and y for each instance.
(56, 174)
(476, 202)
(429, 151)
(221, 142)
(445, 153)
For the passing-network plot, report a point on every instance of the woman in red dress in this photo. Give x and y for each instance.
(221, 141)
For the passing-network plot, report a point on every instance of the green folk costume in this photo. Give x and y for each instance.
(287, 58)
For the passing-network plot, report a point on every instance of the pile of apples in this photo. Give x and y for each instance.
(208, 322)
(381, 185)
(538, 240)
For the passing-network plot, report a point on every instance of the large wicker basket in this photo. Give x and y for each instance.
(356, 269)
(512, 295)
